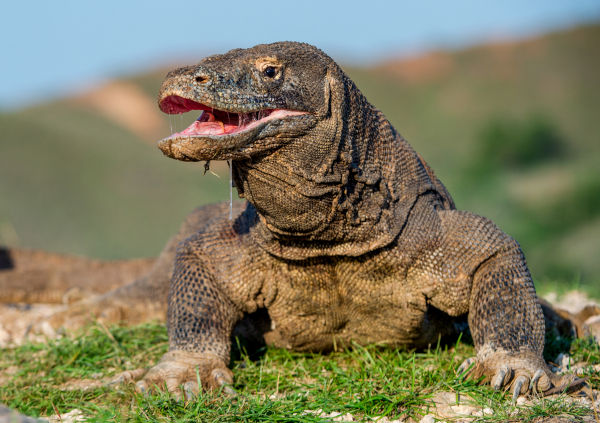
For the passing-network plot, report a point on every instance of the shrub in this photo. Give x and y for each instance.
(509, 143)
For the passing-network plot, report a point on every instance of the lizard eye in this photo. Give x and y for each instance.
(270, 71)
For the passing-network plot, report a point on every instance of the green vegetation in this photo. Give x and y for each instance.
(43, 379)
(511, 144)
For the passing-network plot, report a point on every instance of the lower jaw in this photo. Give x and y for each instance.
(200, 148)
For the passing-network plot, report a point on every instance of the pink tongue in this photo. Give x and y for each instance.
(207, 128)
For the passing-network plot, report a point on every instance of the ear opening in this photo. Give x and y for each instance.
(334, 109)
(334, 94)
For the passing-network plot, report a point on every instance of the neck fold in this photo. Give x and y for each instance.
(344, 189)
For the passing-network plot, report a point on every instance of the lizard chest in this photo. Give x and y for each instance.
(324, 303)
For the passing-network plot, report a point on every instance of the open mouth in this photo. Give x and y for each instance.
(213, 122)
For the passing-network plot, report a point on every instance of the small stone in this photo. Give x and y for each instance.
(591, 327)
(5, 338)
(385, 419)
(563, 361)
(47, 330)
(344, 418)
(72, 416)
(521, 401)
(572, 301)
(429, 418)
(462, 410)
(488, 411)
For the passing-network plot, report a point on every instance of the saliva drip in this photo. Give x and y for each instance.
(230, 164)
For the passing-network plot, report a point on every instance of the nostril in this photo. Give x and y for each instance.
(201, 79)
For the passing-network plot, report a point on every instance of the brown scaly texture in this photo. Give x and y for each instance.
(57, 278)
(346, 236)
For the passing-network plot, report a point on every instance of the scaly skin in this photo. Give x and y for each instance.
(346, 236)
(131, 291)
(29, 276)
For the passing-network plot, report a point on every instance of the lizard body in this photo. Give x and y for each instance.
(347, 235)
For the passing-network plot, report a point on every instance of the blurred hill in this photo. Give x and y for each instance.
(511, 128)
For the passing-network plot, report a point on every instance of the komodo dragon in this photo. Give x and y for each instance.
(346, 236)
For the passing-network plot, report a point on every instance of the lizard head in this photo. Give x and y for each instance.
(251, 101)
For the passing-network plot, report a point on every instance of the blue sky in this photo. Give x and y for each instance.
(51, 48)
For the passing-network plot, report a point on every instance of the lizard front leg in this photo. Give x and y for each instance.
(200, 320)
(483, 271)
(507, 326)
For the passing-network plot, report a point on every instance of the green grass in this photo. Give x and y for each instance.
(280, 386)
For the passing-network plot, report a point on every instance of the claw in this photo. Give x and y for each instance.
(499, 379)
(127, 376)
(465, 366)
(533, 385)
(224, 381)
(521, 380)
(221, 377)
(172, 384)
(190, 390)
(229, 391)
(141, 387)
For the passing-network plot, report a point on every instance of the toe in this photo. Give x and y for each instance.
(173, 384)
(502, 377)
(127, 376)
(190, 390)
(141, 387)
(466, 366)
(520, 386)
(223, 379)
(539, 382)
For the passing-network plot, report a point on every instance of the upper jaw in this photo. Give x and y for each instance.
(219, 132)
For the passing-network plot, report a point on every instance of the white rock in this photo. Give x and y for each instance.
(592, 327)
(344, 418)
(48, 330)
(573, 301)
(5, 338)
(384, 419)
(429, 418)
(563, 360)
(462, 410)
(72, 416)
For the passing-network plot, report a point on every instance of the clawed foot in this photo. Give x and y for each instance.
(185, 373)
(521, 373)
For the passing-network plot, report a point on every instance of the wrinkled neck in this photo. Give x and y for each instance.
(345, 188)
